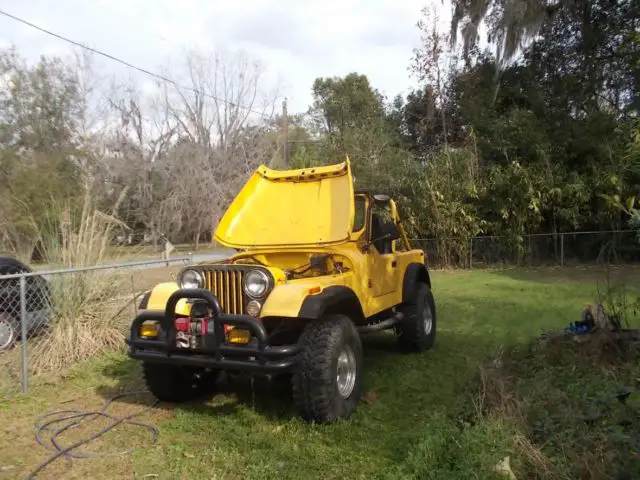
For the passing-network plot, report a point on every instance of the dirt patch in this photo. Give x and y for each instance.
(608, 349)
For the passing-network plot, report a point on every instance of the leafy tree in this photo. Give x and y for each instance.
(345, 103)
(41, 145)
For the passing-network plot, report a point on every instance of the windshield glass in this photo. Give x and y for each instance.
(360, 206)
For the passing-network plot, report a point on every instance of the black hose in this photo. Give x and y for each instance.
(73, 418)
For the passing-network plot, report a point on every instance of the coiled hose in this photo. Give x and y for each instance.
(56, 422)
(72, 418)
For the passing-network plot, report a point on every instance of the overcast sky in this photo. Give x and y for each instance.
(296, 41)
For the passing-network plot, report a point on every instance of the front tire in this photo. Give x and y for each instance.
(327, 385)
(177, 383)
(417, 332)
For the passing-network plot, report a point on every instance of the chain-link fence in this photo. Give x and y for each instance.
(614, 247)
(50, 320)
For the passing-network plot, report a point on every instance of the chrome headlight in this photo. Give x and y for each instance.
(191, 279)
(256, 283)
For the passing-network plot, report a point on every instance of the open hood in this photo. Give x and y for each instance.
(291, 208)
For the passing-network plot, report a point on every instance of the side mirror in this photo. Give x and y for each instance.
(381, 199)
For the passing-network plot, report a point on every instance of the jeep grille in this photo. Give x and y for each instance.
(227, 286)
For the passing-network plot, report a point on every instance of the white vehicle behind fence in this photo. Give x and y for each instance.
(37, 306)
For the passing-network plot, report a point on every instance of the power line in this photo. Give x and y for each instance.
(130, 65)
(137, 10)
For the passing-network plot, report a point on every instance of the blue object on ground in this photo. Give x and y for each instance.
(579, 329)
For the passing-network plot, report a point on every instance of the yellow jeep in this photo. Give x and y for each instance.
(318, 264)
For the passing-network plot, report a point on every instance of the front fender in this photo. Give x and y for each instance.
(159, 295)
(288, 300)
(336, 299)
(285, 300)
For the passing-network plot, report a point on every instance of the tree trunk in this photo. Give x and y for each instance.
(198, 233)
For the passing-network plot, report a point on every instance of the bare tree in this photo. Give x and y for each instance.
(139, 134)
(185, 151)
(216, 95)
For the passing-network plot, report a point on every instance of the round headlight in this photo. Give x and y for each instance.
(191, 279)
(256, 283)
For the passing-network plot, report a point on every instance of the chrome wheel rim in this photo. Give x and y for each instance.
(7, 333)
(346, 375)
(427, 318)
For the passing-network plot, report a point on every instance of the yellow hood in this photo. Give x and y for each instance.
(290, 208)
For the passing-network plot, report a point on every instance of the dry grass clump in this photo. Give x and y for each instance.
(82, 303)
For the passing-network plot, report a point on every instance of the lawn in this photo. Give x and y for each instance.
(419, 418)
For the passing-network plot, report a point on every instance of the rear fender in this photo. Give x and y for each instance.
(414, 274)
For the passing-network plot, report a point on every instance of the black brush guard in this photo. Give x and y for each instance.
(260, 357)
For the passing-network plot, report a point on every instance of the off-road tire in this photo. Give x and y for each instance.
(10, 265)
(11, 323)
(38, 294)
(413, 333)
(177, 383)
(315, 381)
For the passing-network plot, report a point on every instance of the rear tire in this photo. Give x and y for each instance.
(10, 265)
(327, 384)
(417, 332)
(177, 383)
(9, 331)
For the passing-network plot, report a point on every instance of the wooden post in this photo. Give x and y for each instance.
(285, 120)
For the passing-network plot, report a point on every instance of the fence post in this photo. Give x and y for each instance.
(562, 249)
(471, 253)
(23, 325)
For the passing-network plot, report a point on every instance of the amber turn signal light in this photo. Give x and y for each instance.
(149, 330)
(238, 336)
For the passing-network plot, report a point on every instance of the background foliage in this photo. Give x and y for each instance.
(541, 135)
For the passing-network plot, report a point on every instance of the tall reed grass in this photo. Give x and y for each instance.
(83, 303)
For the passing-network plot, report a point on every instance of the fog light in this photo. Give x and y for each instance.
(149, 329)
(253, 308)
(238, 336)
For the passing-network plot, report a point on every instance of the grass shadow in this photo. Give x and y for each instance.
(394, 382)
(269, 398)
(272, 397)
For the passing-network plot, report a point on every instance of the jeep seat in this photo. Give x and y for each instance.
(379, 229)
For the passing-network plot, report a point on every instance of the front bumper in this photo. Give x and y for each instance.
(260, 357)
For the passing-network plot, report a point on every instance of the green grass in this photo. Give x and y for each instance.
(418, 419)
